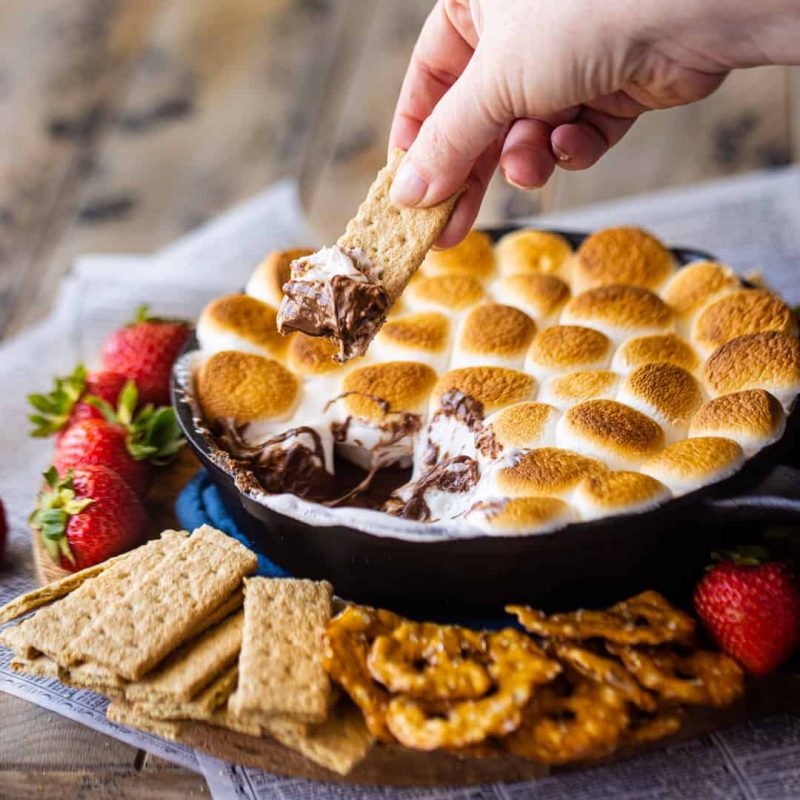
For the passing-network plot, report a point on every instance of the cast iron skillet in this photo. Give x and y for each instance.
(598, 560)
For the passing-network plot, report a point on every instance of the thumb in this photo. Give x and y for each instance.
(457, 132)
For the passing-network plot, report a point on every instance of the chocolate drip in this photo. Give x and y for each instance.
(442, 477)
(297, 468)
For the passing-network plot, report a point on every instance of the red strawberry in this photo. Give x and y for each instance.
(751, 610)
(65, 404)
(87, 517)
(122, 441)
(145, 352)
(96, 442)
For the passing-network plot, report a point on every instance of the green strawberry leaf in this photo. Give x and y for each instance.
(103, 406)
(55, 407)
(143, 314)
(155, 435)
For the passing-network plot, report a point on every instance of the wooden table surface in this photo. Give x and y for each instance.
(125, 123)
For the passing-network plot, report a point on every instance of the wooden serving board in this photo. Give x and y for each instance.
(392, 765)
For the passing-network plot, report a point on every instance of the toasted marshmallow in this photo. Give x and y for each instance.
(619, 312)
(494, 335)
(609, 430)
(668, 394)
(694, 286)
(380, 411)
(450, 294)
(739, 313)
(611, 493)
(564, 391)
(543, 472)
(517, 427)
(621, 256)
(567, 347)
(240, 322)
(266, 282)
(665, 348)
(692, 463)
(520, 515)
(541, 297)
(422, 336)
(492, 387)
(532, 251)
(753, 419)
(473, 256)
(769, 361)
(312, 357)
(246, 389)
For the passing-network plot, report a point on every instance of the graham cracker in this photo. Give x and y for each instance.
(15, 638)
(280, 666)
(338, 744)
(201, 707)
(94, 677)
(136, 629)
(393, 238)
(125, 714)
(53, 628)
(192, 666)
(38, 666)
(57, 589)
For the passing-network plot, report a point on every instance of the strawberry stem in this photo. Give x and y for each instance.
(746, 555)
(54, 408)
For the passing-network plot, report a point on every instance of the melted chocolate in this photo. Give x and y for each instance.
(349, 312)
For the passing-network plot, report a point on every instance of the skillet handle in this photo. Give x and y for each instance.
(776, 501)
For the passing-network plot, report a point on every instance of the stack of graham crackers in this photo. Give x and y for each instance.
(161, 631)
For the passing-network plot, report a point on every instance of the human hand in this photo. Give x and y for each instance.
(535, 84)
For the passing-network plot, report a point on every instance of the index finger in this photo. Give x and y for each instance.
(440, 56)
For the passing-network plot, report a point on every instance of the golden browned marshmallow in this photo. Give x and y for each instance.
(493, 334)
(375, 390)
(520, 515)
(540, 296)
(240, 322)
(245, 388)
(532, 251)
(619, 312)
(266, 282)
(739, 313)
(564, 391)
(692, 463)
(473, 256)
(312, 356)
(567, 347)
(753, 419)
(667, 348)
(624, 256)
(609, 493)
(768, 361)
(421, 336)
(522, 425)
(543, 472)
(493, 387)
(665, 392)
(451, 294)
(694, 286)
(609, 430)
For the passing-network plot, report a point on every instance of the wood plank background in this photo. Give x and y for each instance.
(124, 123)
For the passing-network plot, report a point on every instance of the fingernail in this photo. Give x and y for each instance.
(560, 154)
(515, 184)
(408, 188)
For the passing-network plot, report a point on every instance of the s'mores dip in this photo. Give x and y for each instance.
(516, 387)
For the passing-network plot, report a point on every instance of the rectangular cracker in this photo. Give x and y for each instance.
(280, 666)
(338, 744)
(138, 628)
(124, 713)
(38, 666)
(393, 238)
(15, 638)
(192, 666)
(54, 627)
(57, 589)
